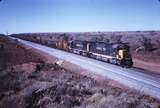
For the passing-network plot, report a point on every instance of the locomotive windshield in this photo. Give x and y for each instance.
(126, 54)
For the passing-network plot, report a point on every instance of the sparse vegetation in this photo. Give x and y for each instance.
(116, 38)
(146, 44)
(33, 83)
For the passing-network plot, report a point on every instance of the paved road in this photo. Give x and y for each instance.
(133, 78)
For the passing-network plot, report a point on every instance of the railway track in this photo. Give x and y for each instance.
(133, 78)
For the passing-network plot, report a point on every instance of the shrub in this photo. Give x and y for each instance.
(147, 44)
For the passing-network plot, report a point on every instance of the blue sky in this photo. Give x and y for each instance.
(18, 16)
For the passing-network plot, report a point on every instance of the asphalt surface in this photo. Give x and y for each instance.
(132, 78)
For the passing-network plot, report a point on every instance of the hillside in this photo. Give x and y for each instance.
(29, 81)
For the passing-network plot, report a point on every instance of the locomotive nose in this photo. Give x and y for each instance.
(129, 63)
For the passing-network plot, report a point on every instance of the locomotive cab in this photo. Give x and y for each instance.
(124, 56)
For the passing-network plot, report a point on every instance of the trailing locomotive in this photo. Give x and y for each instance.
(114, 53)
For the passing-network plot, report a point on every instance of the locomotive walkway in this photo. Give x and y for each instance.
(130, 77)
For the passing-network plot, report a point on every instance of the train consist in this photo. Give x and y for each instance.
(114, 53)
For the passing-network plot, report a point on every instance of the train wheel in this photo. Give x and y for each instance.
(108, 61)
(122, 63)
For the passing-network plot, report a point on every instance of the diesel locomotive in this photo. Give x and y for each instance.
(115, 53)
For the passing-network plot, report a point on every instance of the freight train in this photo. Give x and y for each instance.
(118, 54)
(115, 53)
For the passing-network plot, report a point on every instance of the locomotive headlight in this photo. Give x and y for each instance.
(120, 54)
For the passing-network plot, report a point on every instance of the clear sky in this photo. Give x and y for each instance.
(17, 16)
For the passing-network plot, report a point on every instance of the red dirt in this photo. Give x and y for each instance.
(148, 62)
(14, 54)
